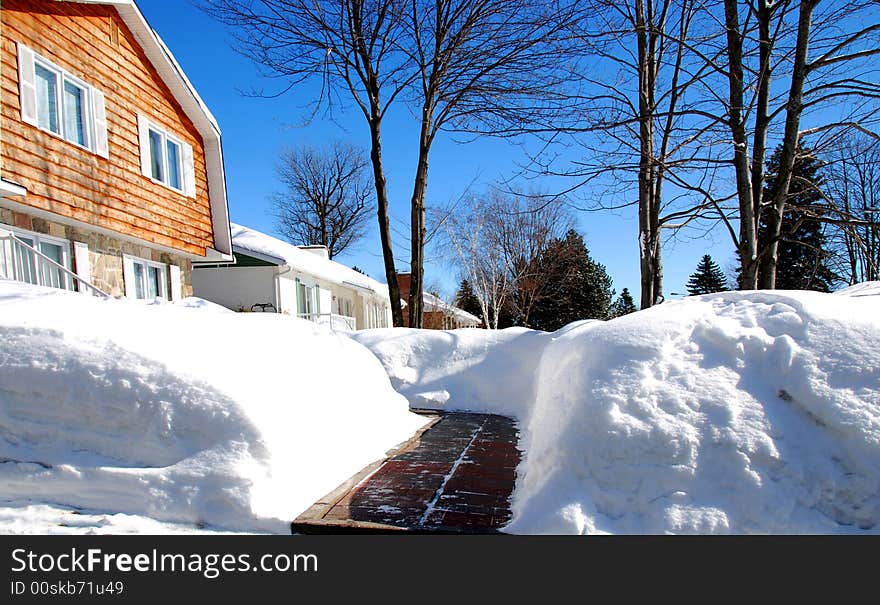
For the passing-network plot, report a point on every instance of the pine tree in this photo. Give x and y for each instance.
(581, 288)
(707, 279)
(466, 299)
(624, 305)
(801, 254)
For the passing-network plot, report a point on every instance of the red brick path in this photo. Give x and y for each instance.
(457, 478)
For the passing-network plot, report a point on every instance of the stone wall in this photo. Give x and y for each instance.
(105, 251)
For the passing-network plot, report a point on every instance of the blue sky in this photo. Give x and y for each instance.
(255, 130)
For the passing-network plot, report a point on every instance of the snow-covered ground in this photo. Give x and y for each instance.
(183, 413)
(734, 412)
(468, 369)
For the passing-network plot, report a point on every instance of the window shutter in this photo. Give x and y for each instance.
(81, 260)
(99, 113)
(128, 277)
(176, 286)
(189, 171)
(144, 135)
(27, 85)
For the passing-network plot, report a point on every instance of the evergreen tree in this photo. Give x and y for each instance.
(466, 299)
(802, 257)
(624, 305)
(581, 288)
(707, 279)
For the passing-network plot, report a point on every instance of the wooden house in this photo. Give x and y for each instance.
(111, 167)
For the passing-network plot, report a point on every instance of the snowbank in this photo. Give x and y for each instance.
(728, 413)
(183, 414)
(468, 369)
(735, 412)
(868, 288)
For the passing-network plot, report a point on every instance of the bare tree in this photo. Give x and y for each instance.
(481, 66)
(327, 197)
(353, 48)
(789, 62)
(641, 121)
(854, 190)
(466, 65)
(496, 241)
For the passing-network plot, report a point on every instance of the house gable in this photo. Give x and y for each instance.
(94, 43)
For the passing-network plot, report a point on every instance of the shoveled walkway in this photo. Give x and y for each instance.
(456, 476)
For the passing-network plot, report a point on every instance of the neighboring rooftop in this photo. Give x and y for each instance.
(434, 303)
(271, 249)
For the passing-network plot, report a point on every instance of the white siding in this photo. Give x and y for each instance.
(236, 287)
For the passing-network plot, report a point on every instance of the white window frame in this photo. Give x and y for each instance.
(129, 276)
(89, 122)
(39, 238)
(164, 139)
(311, 299)
(185, 163)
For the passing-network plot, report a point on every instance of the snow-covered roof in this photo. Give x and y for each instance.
(194, 107)
(434, 303)
(868, 288)
(260, 245)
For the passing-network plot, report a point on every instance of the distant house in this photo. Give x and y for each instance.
(111, 168)
(436, 314)
(269, 274)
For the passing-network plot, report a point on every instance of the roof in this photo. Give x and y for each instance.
(260, 245)
(433, 303)
(196, 110)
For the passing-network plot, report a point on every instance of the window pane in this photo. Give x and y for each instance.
(153, 276)
(157, 162)
(47, 98)
(139, 281)
(173, 164)
(75, 113)
(25, 261)
(53, 276)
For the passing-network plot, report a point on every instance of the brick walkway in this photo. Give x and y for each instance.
(457, 476)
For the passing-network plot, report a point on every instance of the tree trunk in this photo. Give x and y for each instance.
(417, 225)
(790, 139)
(647, 235)
(382, 213)
(748, 228)
(762, 117)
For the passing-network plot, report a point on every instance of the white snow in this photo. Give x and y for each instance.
(467, 369)
(728, 413)
(868, 288)
(180, 414)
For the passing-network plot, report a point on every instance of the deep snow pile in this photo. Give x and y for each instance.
(468, 369)
(736, 412)
(182, 413)
(733, 412)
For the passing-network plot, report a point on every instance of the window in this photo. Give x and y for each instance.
(47, 99)
(58, 102)
(145, 279)
(30, 268)
(307, 300)
(165, 158)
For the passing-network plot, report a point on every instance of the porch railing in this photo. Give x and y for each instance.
(341, 322)
(20, 261)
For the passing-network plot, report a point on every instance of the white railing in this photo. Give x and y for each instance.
(341, 322)
(20, 261)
